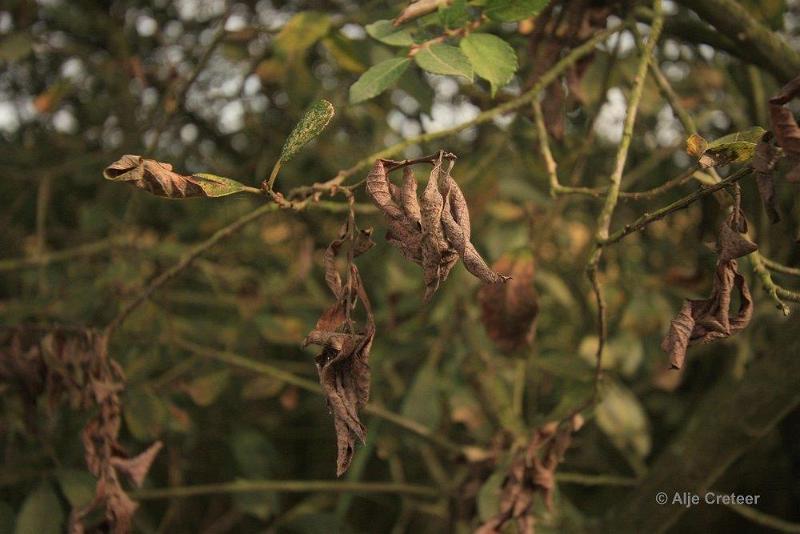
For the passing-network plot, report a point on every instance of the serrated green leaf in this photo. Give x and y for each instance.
(77, 485)
(444, 59)
(302, 31)
(377, 79)
(385, 32)
(217, 186)
(513, 10)
(315, 119)
(204, 390)
(492, 58)
(41, 512)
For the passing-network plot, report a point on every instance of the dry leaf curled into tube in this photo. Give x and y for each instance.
(434, 230)
(703, 321)
(785, 127)
(532, 472)
(508, 311)
(343, 364)
(159, 179)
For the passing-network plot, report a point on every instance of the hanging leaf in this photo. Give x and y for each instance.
(301, 32)
(315, 119)
(377, 79)
(513, 10)
(784, 125)
(764, 161)
(444, 59)
(508, 311)
(41, 512)
(159, 179)
(703, 321)
(387, 33)
(492, 58)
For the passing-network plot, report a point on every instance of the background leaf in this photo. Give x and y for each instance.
(492, 58)
(444, 59)
(387, 33)
(513, 10)
(377, 79)
(41, 512)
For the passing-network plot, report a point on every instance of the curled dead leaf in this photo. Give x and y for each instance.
(159, 179)
(433, 231)
(343, 363)
(703, 321)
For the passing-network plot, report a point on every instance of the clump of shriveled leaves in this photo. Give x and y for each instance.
(74, 365)
(434, 230)
(703, 321)
(532, 472)
(508, 311)
(159, 179)
(343, 364)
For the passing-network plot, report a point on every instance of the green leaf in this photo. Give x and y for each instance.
(453, 16)
(740, 145)
(513, 10)
(492, 58)
(302, 31)
(622, 418)
(385, 32)
(204, 390)
(41, 512)
(377, 79)
(16, 46)
(217, 186)
(315, 119)
(422, 401)
(144, 414)
(444, 59)
(77, 485)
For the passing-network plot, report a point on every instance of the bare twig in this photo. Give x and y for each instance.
(765, 520)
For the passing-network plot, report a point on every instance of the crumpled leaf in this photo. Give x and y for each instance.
(433, 231)
(784, 125)
(508, 311)
(136, 468)
(705, 320)
(764, 161)
(159, 179)
(532, 472)
(343, 364)
(315, 119)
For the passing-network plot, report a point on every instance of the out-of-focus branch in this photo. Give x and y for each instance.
(712, 439)
(733, 20)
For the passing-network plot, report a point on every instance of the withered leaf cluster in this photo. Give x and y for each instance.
(434, 230)
(559, 28)
(532, 472)
(343, 364)
(508, 311)
(159, 179)
(705, 320)
(73, 366)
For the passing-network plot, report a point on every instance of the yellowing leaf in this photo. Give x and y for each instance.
(696, 145)
(205, 389)
(302, 31)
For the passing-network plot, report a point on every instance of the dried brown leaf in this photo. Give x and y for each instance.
(508, 311)
(343, 363)
(137, 467)
(764, 163)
